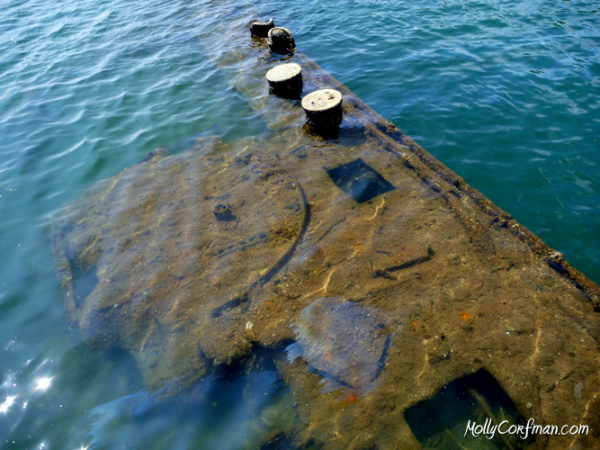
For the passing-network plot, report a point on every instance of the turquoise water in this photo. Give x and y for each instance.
(504, 93)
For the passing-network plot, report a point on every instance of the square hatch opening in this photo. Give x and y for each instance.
(359, 180)
(445, 420)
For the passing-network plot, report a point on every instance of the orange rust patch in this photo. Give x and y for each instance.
(350, 398)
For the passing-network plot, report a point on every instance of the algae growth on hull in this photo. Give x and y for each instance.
(202, 260)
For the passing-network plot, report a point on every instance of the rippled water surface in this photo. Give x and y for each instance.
(504, 93)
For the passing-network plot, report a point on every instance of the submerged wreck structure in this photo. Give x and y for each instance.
(396, 302)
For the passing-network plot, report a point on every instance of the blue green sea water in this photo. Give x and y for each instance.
(504, 93)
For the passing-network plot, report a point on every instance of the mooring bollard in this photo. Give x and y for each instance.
(261, 29)
(286, 80)
(324, 111)
(280, 40)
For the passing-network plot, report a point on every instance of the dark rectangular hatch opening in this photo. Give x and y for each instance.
(441, 421)
(359, 180)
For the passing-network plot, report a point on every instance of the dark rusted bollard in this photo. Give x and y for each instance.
(324, 111)
(261, 29)
(280, 40)
(286, 80)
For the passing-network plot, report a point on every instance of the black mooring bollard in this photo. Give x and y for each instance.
(324, 111)
(286, 80)
(261, 29)
(280, 40)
